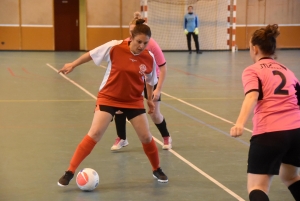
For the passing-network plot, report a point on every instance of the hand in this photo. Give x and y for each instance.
(68, 68)
(186, 32)
(150, 106)
(196, 31)
(236, 130)
(155, 95)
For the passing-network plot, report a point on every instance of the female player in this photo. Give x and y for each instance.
(190, 26)
(273, 91)
(121, 89)
(156, 116)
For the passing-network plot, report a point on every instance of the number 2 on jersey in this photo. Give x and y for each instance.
(278, 89)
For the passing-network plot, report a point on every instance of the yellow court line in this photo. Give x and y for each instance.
(13, 101)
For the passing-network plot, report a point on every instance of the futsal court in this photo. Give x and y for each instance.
(44, 116)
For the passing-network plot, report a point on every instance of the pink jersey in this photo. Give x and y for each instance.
(158, 54)
(277, 108)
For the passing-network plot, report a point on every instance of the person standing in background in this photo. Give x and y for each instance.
(191, 24)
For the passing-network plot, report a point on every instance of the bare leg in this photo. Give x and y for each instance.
(289, 175)
(259, 181)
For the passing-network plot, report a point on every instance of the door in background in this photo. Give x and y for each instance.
(66, 25)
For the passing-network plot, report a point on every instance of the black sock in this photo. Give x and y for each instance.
(162, 127)
(120, 121)
(258, 195)
(295, 190)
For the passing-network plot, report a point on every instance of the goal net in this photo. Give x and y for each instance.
(166, 19)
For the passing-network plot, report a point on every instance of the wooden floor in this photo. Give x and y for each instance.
(43, 117)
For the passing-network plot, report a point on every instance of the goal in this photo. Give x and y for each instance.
(166, 20)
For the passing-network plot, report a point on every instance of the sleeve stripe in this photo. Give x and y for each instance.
(251, 91)
(162, 64)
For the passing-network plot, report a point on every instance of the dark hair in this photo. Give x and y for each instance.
(265, 39)
(141, 28)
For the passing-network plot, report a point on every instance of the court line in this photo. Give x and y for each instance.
(202, 110)
(198, 108)
(192, 74)
(159, 142)
(206, 124)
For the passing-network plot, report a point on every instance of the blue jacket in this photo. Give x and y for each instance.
(190, 22)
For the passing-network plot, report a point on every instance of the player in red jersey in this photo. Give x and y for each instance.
(129, 64)
(273, 92)
(157, 118)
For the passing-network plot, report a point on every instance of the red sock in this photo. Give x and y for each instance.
(83, 150)
(151, 151)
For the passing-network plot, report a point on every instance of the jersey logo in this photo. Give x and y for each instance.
(142, 69)
(133, 60)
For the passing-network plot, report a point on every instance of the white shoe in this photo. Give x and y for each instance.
(119, 143)
(167, 143)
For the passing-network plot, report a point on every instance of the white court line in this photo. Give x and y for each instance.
(159, 142)
(198, 108)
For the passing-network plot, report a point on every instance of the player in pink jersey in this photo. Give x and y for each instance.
(273, 92)
(156, 116)
(129, 67)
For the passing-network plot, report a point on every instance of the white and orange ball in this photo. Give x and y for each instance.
(87, 179)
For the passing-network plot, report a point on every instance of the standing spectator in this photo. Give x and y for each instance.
(191, 24)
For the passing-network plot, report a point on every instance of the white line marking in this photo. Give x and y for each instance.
(203, 173)
(77, 85)
(202, 110)
(159, 142)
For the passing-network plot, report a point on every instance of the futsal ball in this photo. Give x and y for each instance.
(87, 179)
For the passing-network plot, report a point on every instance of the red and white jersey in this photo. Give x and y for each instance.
(123, 82)
(277, 108)
(157, 52)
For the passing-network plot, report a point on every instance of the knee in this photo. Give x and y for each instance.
(95, 135)
(288, 180)
(146, 139)
(156, 117)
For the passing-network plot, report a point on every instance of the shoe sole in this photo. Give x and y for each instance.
(167, 148)
(159, 180)
(119, 148)
(59, 184)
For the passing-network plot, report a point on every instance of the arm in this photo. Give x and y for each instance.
(184, 26)
(149, 100)
(247, 108)
(68, 67)
(196, 30)
(162, 77)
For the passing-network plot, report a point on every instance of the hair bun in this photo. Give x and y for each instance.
(140, 21)
(272, 31)
(137, 15)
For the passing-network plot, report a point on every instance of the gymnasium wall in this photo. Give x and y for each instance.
(108, 20)
(254, 14)
(28, 25)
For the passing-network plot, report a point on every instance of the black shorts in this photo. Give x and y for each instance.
(129, 112)
(145, 92)
(267, 151)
